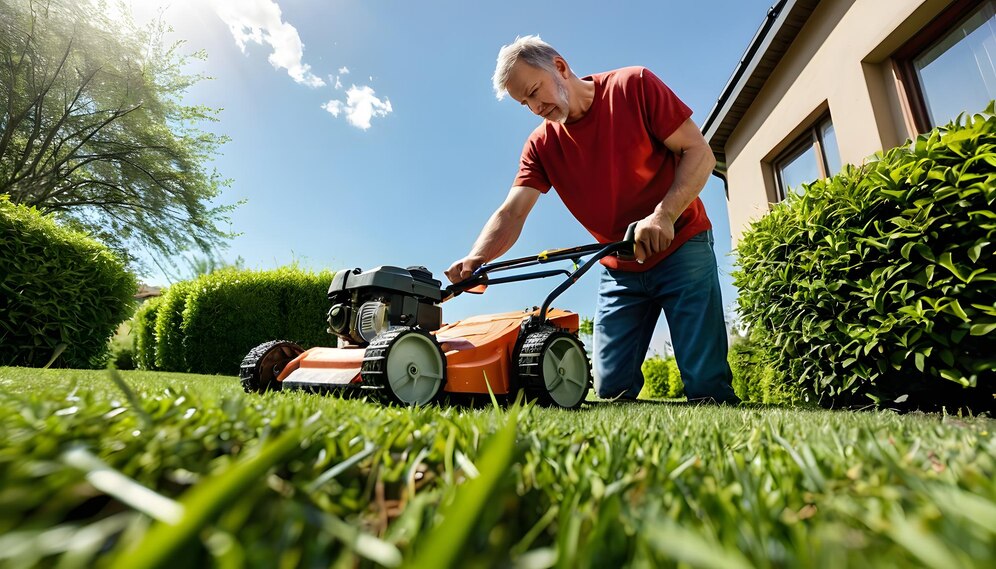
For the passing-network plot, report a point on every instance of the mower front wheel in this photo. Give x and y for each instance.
(553, 368)
(407, 364)
(261, 366)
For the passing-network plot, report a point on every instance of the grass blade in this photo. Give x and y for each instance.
(204, 502)
(442, 547)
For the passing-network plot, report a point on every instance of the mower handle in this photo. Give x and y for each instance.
(624, 249)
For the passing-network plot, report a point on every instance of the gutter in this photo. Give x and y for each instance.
(747, 62)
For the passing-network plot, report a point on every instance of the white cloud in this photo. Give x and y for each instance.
(343, 70)
(338, 83)
(334, 107)
(260, 21)
(361, 105)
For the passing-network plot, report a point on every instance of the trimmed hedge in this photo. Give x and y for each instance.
(144, 330)
(755, 379)
(58, 287)
(169, 337)
(879, 284)
(661, 378)
(209, 324)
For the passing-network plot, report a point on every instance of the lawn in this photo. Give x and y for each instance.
(162, 469)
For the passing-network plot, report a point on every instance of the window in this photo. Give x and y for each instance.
(950, 66)
(813, 156)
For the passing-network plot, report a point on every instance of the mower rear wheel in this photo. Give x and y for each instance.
(553, 368)
(408, 364)
(262, 365)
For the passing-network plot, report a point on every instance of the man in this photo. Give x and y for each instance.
(620, 147)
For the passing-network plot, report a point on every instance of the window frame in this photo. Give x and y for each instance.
(811, 139)
(902, 60)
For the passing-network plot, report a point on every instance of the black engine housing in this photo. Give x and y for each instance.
(411, 297)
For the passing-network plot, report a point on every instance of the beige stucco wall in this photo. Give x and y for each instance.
(840, 61)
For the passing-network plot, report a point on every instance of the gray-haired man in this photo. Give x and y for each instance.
(620, 147)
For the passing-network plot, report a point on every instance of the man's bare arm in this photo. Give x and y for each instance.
(694, 168)
(499, 233)
(695, 164)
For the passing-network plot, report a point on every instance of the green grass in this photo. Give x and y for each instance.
(187, 469)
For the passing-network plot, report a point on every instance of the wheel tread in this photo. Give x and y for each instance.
(249, 372)
(529, 366)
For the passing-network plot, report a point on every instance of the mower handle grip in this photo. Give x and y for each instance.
(627, 247)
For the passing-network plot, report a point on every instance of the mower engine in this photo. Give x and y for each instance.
(368, 303)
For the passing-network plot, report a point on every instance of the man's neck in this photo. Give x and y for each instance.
(582, 94)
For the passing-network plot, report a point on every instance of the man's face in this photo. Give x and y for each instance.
(544, 92)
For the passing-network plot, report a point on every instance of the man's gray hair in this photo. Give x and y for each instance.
(532, 50)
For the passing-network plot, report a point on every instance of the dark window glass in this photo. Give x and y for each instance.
(813, 156)
(957, 73)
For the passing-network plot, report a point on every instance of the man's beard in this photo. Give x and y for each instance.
(564, 100)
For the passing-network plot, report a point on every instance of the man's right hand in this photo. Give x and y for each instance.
(464, 268)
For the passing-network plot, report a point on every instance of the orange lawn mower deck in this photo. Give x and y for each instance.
(393, 346)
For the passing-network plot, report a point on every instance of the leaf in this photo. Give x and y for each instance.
(954, 307)
(983, 329)
(976, 251)
(946, 262)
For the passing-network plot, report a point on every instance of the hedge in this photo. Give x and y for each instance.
(209, 324)
(877, 285)
(144, 331)
(661, 378)
(59, 290)
(755, 379)
(169, 354)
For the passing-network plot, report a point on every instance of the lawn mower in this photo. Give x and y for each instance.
(392, 343)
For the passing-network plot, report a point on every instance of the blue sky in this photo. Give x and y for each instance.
(366, 133)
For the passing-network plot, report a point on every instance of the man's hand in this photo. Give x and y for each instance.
(654, 234)
(464, 268)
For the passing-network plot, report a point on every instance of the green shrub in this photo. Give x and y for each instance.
(209, 324)
(169, 336)
(144, 329)
(58, 288)
(879, 284)
(661, 379)
(123, 357)
(755, 378)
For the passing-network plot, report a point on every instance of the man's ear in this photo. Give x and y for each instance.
(563, 69)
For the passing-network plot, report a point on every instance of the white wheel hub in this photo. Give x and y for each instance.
(415, 369)
(565, 371)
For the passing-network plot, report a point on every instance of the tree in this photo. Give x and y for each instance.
(94, 129)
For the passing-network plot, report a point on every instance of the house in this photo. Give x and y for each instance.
(146, 292)
(831, 82)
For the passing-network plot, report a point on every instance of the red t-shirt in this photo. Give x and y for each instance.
(611, 167)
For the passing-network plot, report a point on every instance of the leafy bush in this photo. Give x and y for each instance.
(661, 378)
(123, 357)
(169, 337)
(755, 379)
(58, 288)
(209, 324)
(144, 328)
(880, 282)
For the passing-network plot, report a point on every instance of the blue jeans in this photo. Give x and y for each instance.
(685, 285)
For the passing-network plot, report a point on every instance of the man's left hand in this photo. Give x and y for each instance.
(654, 234)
